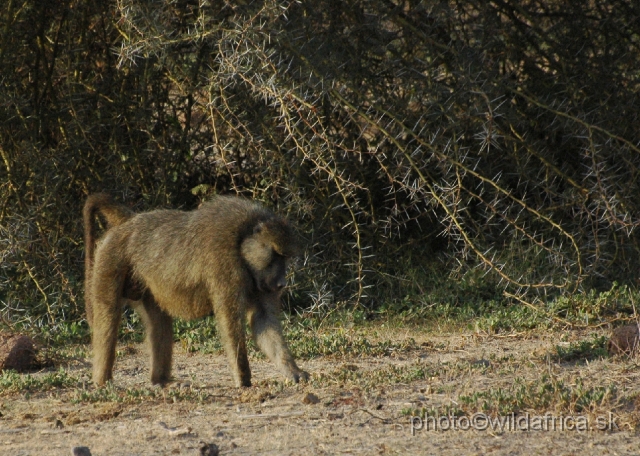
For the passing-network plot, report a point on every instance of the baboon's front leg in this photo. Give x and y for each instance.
(231, 326)
(159, 328)
(267, 333)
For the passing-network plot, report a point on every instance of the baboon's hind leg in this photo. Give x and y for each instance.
(107, 312)
(105, 336)
(267, 333)
(159, 328)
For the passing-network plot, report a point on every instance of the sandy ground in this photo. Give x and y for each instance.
(332, 414)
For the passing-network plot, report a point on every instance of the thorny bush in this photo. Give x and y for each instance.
(494, 135)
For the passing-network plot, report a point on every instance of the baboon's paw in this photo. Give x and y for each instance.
(102, 382)
(161, 381)
(243, 383)
(298, 376)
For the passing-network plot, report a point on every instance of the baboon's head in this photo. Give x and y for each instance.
(266, 252)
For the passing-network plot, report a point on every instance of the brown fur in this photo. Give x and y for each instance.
(228, 256)
(114, 214)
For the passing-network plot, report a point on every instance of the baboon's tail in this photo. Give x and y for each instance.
(115, 214)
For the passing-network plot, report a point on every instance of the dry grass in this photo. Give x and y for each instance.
(366, 397)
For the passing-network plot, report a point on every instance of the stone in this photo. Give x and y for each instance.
(16, 352)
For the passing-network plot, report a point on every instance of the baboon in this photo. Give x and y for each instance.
(228, 257)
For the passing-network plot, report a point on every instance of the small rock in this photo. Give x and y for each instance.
(482, 363)
(624, 340)
(58, 424)
(175, 431)
(16, 352)
(310, 398)
(80, 451)
(209, 449)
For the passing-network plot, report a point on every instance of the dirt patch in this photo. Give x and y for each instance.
(358, 405)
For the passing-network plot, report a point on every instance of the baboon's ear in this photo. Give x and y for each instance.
(257, 229)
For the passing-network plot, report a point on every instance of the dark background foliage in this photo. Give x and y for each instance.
(407, 139)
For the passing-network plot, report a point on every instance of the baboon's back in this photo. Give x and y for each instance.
(181, 257)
